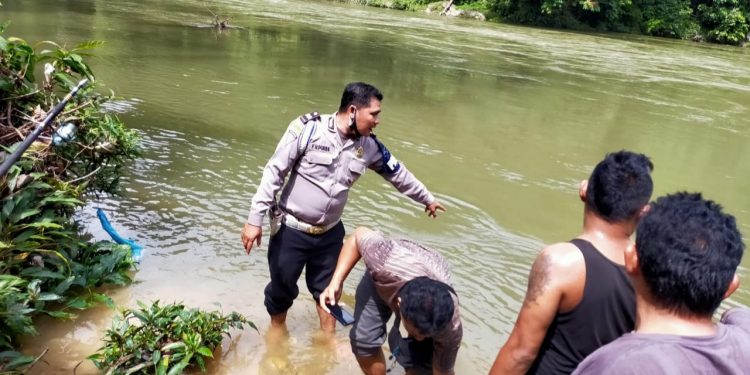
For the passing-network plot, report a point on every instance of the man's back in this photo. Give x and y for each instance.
(606, 311)
(725, 352)
(577, 297)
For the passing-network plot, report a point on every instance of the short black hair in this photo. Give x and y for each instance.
(620, 186)
(688, 252)
(359, 94)
(427, 304)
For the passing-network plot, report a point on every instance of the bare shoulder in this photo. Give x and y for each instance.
(563, 256)
(554, 270)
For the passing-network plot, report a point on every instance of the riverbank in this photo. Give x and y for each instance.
(701, 21)
(48, 266)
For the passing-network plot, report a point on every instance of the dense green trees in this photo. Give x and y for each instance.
(724, 21)
(669, 18)
(719, 21)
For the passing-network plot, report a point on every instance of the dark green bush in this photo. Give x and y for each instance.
(163, 339)
(669, 18)
(725, 21)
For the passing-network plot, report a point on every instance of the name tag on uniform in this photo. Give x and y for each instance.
(319, 158)
(317, 147)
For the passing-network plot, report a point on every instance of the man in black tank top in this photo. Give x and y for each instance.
(579, 296)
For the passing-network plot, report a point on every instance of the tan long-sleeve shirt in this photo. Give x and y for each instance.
(324, 165)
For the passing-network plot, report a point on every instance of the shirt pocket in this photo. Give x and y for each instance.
(356, 169)
(317, 165)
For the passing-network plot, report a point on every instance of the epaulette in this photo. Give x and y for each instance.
(312, 116)
(306, 136)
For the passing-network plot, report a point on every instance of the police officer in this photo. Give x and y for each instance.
(325, 154)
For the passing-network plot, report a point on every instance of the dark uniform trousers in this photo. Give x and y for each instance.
(291, 250)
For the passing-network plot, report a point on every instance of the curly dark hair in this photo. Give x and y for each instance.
(359, 94)
(427, 304)
(688, 252)
(620, 186)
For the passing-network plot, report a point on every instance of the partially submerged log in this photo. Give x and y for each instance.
(219, 23)
(446, 8)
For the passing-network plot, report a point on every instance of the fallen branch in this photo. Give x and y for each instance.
(118, 363)
(447, 7)
(37, 359)
(86, 176)
(218, 22)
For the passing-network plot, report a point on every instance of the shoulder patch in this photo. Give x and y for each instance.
(390, 163)
(295, 128)
(312, 116)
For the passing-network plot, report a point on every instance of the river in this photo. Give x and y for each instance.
(501, 122)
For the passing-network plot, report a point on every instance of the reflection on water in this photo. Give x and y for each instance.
(500, 122)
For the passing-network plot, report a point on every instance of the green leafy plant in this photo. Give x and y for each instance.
(12, 362)
(163, 340)
(14, 318)
(48, 265)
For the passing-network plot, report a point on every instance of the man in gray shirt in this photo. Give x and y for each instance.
(683, 264)
(323, 155)
(411, 281)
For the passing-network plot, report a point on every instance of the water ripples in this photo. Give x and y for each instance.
(186, 203)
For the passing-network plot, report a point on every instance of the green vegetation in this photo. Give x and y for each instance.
(719, 21)
(47, 265)
(669, 18)
(395, 4)
(163, 339)
(725, 21)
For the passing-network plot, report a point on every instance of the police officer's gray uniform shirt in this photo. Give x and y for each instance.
(328, 165)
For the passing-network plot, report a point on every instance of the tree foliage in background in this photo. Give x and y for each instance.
(47, 265)
(719, 21)
(669, 18)
(724, 20)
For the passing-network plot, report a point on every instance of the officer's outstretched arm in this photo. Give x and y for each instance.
(349, 256)
(385, 164)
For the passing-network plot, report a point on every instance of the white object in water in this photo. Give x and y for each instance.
(64, 134)
(48, 70)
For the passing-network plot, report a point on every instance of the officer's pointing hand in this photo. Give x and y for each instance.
(250, 234)
(432, 209)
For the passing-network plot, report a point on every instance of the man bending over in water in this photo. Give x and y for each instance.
(407, 279)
